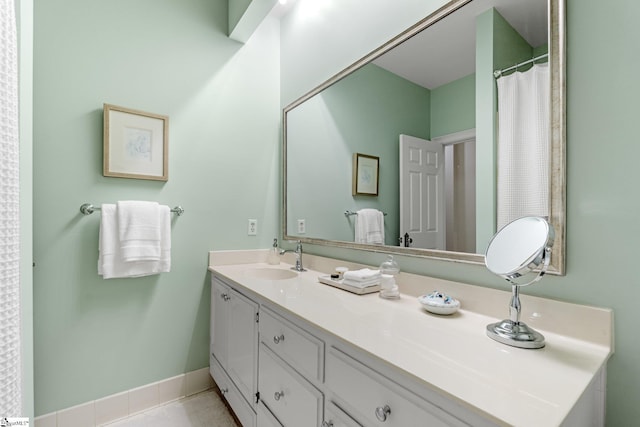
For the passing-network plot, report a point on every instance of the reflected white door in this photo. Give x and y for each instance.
(422, 192)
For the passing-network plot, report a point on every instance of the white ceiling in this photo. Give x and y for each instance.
(445, 51)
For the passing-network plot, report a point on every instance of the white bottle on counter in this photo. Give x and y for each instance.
(273, 257)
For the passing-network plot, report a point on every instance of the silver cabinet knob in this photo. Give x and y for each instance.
(225, 297)
(224, 391)
(327, 424)
(383, 412)
(278, 338)
(278, 394)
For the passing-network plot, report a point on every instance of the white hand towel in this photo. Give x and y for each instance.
(369, 227)
(364, 274)
(110, 262)
(139, 230)
(361, 285)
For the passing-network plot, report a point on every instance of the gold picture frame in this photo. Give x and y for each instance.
(135, 143)
(366, 174)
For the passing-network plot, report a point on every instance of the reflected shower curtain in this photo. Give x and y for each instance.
(523, 145)
(10, 361)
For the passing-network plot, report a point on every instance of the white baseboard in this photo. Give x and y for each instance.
(127, 403)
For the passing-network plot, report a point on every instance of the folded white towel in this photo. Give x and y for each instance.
(110, 261)
(362, 275)
(361, 283)
(139, 230)
(369, 227)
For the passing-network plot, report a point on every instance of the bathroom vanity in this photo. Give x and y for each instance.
(289, 351)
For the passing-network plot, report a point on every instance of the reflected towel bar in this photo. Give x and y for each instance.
(349, 213)
(88, 209)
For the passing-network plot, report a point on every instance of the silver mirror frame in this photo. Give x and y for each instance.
(557, 52)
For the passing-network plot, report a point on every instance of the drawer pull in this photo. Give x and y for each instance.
(279, 338)
(383, 412)
(225, 297)
(278, 394)
(224, 391)
(327, 424)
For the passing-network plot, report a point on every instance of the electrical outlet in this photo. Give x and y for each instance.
(252, 229)
(302, 227)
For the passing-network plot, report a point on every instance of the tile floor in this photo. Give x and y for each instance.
(204, 409)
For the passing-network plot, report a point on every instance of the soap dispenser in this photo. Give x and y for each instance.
(273, 258)
(388, 287)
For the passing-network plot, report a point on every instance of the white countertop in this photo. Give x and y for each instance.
(451, 354)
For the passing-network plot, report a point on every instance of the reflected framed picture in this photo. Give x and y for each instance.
(365, 174)
(136, 144)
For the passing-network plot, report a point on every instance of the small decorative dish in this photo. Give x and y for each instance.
(439, 303)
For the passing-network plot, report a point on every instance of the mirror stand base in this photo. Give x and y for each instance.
(515, 334)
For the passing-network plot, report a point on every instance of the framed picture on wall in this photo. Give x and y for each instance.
(365, 174)
(135, 144)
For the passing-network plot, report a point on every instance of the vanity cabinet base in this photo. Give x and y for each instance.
(315, 372)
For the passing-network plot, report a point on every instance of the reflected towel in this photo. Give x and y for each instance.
(369, 227)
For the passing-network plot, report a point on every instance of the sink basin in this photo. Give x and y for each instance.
(271, 273)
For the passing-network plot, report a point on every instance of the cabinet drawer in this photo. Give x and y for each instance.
(232, 395)
(293, 400)
(334, 416)
(265, 417)
(377, 401)
(300, 349)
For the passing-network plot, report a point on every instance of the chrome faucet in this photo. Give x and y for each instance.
(298, 252)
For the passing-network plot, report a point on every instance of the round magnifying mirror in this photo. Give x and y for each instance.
(514, 251)
(519, 247)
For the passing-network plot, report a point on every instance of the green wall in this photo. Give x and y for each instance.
(453, 106)
(236, 9)
(602, 185)
(95, 337)
(363, 113)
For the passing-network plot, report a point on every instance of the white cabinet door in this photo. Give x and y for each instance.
(219, 321)
(242, 344)
(234, 337)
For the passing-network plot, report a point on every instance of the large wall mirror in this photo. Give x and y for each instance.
(431, 96)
